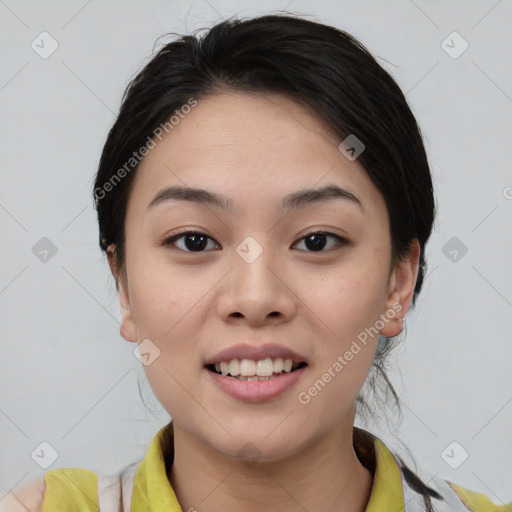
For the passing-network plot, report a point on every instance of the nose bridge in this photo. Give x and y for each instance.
(253, 262)
(256, 290)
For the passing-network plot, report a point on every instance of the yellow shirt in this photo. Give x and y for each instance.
(144, 487)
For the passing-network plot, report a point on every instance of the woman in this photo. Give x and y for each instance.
(264, 200)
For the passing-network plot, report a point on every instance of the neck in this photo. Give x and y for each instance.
(324, 477)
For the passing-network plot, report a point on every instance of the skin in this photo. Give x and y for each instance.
(28, 498)
(257, 149)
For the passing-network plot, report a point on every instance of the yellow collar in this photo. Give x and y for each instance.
(387, 492)
(153, 492)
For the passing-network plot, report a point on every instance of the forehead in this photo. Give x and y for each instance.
(253, 148)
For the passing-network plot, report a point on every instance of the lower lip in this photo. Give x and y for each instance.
(256, 391)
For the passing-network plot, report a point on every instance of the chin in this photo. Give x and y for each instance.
(250, 449)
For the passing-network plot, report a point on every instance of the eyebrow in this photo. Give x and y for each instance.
(294, 200)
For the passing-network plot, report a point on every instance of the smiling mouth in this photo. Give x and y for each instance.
(248, 370)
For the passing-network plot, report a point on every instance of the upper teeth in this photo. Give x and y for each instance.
(249, 367)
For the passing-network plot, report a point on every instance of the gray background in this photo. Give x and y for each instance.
(68, 378)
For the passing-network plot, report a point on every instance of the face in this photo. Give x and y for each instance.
(307, 276)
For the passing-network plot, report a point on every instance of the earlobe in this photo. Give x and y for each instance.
(401, 291)
(127, 327)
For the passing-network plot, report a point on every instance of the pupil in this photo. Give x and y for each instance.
(315, 245)
(198, 242)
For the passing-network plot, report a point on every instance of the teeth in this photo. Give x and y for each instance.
(234, 367)
(248, 369)
(265, 368)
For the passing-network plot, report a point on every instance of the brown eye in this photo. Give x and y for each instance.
(317, 241)
(192, 241)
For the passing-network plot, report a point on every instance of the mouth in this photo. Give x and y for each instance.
(255, 370)
(256, 381)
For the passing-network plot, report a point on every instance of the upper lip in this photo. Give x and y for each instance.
(245, 351)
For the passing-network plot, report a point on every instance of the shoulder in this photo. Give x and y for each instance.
(57, 490)
(70, 489)
(476, 501)
(449, 497)
(84, 490)
(27, 498)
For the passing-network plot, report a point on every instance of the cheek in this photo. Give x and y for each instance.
(350, 298)
(349, 303)
(346, 346)
(164, 300)
(166, 306)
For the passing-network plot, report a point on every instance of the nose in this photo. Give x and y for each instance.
(257, 292)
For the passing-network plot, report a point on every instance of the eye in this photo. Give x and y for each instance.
(193, 241)
(316, 240)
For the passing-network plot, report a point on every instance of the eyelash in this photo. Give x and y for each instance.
(170, 240)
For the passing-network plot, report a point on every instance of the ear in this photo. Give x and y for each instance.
(127, 327)
(402, 282)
